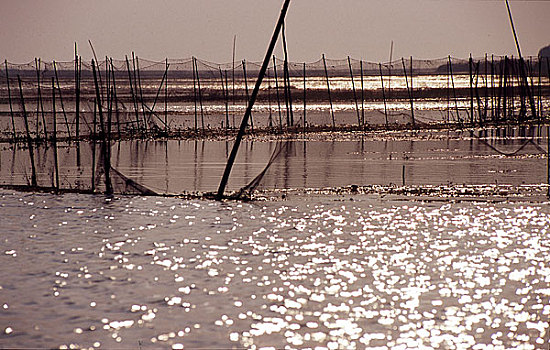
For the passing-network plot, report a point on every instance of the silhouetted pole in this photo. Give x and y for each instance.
(200, 92)
(61, 100)
(166, 99)
(54, 137)
(408, 89)
(454, 91)
(29, 140)
(77, 76)
(247, 95)
(132, 93)
(40, 102)
(328, 89)
(362, 94)
(225, 100)
(305, 95)
(195, 95)
(287, 76)
(354, 93)
(522, 64)
(470, 69)
(117, 112)
(11, 105)
(277, 91)
(383, 94)
(244, 122)
(412, 92)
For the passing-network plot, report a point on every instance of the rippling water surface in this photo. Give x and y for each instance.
(137, 272)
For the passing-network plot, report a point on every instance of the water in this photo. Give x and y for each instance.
(138, 272)
(314, 161)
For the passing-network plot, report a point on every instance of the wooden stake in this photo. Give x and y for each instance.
(195, 95)
(277, 91)
(29, 139)
(247, 96)
(383, 94)
(117, 112)
(166, 99)
(200, 92)
(287, 76)
(40, 103)
(132, 93)
(305, 98)
(244, 122)
(408, 90)
(362, 95)
(11, 106)
(54, 137)
(328, 89)
(61, 100)
(354, 93)
(454, 91)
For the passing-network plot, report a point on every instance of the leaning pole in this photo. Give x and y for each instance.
(244, 122)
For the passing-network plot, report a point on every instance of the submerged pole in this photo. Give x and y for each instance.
(61, 100)
(29, 140)
(244, 122)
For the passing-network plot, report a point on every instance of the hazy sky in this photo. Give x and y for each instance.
(205, 28)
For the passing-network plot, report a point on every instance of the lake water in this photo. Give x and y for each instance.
(83, 271)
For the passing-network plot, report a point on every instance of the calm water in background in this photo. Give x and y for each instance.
(144, 272)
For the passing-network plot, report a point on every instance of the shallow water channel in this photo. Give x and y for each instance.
(146, 272)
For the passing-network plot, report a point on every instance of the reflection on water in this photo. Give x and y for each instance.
(428, 158)
(82, 271)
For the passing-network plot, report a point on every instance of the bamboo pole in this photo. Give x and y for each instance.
(94, 131)
(383, 94)
(493, 88)
(132, 93)
(195, 95)
(78, 69)
(277, 91)
(454, 91)
(470, 68)
(362, 94)
(200, 92)
(287, 76)
(10, 102)
(54, 137)
(225, 100)
(354, 93)
(40, 102)
(305, 97)
(61, 100)
(408, 90)
(244, 122)
(117, 112)
(505, 89)
(412, 92)
(29, 139)
(145, 120)
(328, 89)
(166, 99)
(247, 96)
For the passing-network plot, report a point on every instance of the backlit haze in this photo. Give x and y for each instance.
(205, 28)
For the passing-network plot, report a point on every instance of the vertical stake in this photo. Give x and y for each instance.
(29, 140)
